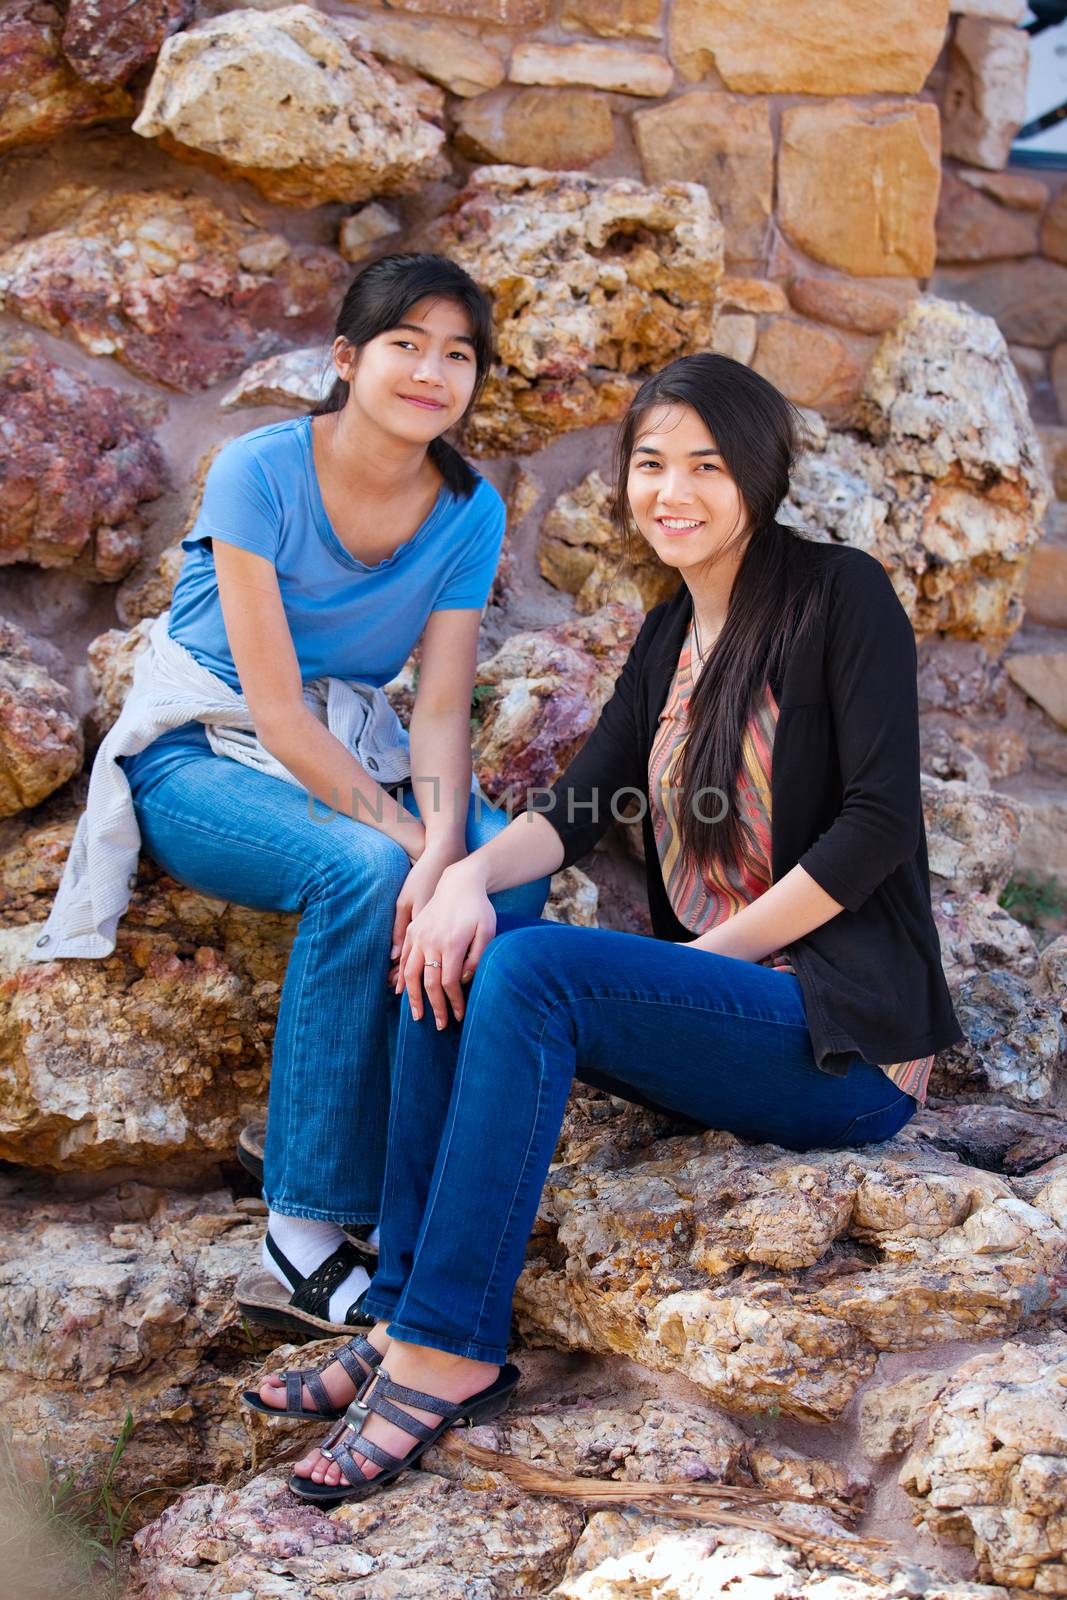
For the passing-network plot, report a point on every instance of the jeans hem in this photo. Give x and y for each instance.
(382, 1310)
(343, 1219)
(493, 1355)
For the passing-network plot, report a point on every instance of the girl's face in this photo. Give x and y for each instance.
(681, 495)
(416, 379)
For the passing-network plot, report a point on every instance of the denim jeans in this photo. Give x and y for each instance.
(235, 833)
(477, 1107)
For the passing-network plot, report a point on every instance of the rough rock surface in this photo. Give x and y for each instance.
(459, 62)
(40, 740)
(112, 656)
(76, 464)
(167, 283)
(814, 47)
(161, 1050)
(40, 96)
(857, 307)
(149, 588)
(858, 185)
(985, 92)
(106, 41)
(773, 1278)
(581, 553)
(594, 281)
(596, 66)
(289, 100)
(944, 481)
(811, 366)
(538, 698)
(556, 128)
(297, 378)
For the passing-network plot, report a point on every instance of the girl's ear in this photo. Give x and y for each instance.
(344, 358)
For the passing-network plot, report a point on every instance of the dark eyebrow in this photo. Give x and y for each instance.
(652, 451)
(454, 338)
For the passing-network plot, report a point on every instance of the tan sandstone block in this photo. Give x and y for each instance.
(595, 66)
(811, 366)
(858, 185)
(614, 19)
(508, 13)
(809, 46)
(723, 142)
(556, 128)
(985, 91)
(455, 60)
(845, 304)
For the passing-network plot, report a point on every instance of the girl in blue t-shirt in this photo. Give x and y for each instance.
(329, 545)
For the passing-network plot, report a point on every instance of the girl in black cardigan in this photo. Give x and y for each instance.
(766, 720)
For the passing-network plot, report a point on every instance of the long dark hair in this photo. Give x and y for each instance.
(381, 296)
(757, 432)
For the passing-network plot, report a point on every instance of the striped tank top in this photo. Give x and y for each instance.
(703, 899)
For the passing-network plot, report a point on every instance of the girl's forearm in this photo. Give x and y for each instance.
(441, 777)
(527, 849)
(788, 910)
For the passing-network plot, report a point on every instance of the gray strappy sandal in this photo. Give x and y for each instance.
(297, 1377)
(348, 1434)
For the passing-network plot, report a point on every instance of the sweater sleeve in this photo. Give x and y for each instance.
(871, 674)
(610, 761)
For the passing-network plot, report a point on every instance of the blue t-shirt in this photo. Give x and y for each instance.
(348, 619)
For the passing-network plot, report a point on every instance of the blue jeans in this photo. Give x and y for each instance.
(229, 831)
(477, 1107)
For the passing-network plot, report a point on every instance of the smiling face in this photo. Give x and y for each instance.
(681, 495)
(417, 378)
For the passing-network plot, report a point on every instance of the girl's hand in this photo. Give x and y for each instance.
(418, 890)
(453, 928)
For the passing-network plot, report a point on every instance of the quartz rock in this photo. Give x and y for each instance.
(538, 698)
(40, 95)
(165, 282)
(364, 230)
(582, 553)
(77, 464)
(112, 656)
(40, 740)
(297, 378)
(106, 41)
(1014, 1043)
(573, 899)
(289, 100)
(972, 836)
(595, 283)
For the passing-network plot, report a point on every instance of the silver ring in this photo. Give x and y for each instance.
(431, 963)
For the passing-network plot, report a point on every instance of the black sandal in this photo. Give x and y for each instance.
(487, 1403)
(306, 1309)
(297, 1377)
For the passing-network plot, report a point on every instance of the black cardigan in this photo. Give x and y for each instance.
(845, 804)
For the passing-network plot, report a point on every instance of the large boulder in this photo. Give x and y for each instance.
(167, 283)
(106, 41)
(290, 100)
(40, 95)
(941, 475)
(40, 740)
(582, 553)
(595, 282)
(76, 466)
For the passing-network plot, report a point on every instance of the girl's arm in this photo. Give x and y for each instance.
(787, 911)
(269, 673)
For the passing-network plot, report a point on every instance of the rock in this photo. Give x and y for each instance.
(724, 142)
(106, 41)
(972, 227)
(998, 1138)
(581, 553)
(162, 1050)
(843, 303)
(427, 1537)
(810, 366)
(1054, 229)
(770, 1278)
(735, 336)
(989, 1469)
(556, 128)
(858, 185)
(573, 899)
(507, 13)
(985, 92)
(995, 10)
(538, 698)
(40, 740)
(817, 47)
(1014, 1043)
(39, 94)
(149, 588)
(976, 934)
(111, 661)
(596, 66)
(289, 100)
(594, 281)
(1027, 298)
(77, 464)
(1022, 191)
(891, 1414)
(1044, 679)
(166, 283)
(972, 836)
(296, 378)
(459, 62)
(365, 229)
(758, 295)
(614, 19)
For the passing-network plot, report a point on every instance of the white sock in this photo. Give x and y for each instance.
(307, 1243)
(373, 1238)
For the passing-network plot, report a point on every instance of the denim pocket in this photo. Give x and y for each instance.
(874, 1126)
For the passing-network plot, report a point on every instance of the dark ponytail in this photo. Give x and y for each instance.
(381, 296)
(756, 430)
